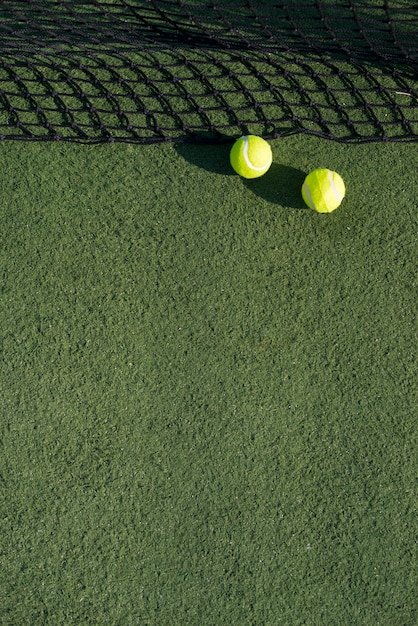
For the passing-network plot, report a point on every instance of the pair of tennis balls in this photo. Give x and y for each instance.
(322, 190)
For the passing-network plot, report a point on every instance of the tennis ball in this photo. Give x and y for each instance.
(251, 156)
(323, 190)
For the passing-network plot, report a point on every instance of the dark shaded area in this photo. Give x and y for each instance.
(212, 158)
(280, 185)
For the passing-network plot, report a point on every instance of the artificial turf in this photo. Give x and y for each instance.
(207, 392)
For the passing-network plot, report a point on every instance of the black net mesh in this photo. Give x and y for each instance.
(200, 70)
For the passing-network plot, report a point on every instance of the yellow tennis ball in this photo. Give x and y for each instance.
(251, 156)
(323, 190)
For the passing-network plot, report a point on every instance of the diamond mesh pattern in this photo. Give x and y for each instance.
(173, 70)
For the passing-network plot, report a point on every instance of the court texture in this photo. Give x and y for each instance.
(208, 391)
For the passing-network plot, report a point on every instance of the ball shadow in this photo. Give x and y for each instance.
(280, 185)
(210, 157)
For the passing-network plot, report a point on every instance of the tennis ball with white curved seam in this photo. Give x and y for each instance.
(251, 156)
(323, 190)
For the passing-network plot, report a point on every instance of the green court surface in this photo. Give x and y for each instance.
(208, 391)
